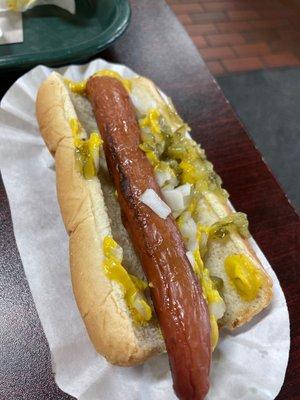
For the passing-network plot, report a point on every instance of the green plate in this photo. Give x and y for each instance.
(52, 36)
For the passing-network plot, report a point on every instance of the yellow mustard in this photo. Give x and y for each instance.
(243, 274)
(210, 293)
(139, 283)
(75, 126)
(193, 204)
(199, 266)
(189, 173)
(152, 157)
(76, 87)
(86, 151)
(202, 229)
(131, 285)
(192, 172)
(214, 331)
(151, 121)
(80, 87)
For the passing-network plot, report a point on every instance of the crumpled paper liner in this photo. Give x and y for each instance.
(23, 5)
(249, 364)
(11, 26)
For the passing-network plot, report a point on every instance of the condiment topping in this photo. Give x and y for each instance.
(80, 87)
(86, 150)
(151, 199)
(184, 174)
(244, 276)
(178, 160)
(132, 286)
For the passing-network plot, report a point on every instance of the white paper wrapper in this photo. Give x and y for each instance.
(247, 365)
(23, 5)
(11, 27)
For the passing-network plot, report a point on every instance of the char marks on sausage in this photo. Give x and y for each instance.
(176, 293)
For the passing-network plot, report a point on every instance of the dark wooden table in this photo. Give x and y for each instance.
(157, 46)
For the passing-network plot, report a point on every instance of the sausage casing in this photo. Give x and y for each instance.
(176, 294)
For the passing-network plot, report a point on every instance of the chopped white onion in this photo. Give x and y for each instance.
(162, 177)
(177, 198)
(173, 181)
(191, 244)
(190, 257)
(188, 228)
(186, 200)
(174, 199)
(217, 308)
(177, 213)
(153, 201)
(185, 189)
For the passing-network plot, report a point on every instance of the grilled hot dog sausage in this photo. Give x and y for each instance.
(177, 297)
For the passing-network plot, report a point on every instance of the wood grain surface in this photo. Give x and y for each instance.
(156, 45)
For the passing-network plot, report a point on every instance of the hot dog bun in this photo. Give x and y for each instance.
(85, 215)
(238, 312)
(91, 211)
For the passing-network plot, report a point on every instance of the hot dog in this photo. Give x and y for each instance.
(115, 139)
(177, 297)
